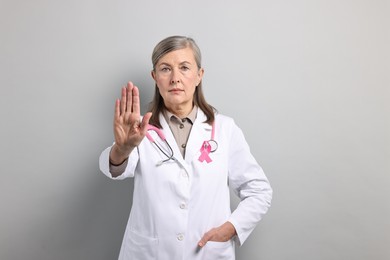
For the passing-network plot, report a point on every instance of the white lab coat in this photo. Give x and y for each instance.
(175, 203)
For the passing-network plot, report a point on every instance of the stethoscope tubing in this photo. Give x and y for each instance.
(169, 157)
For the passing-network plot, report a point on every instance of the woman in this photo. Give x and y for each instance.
(181, 202)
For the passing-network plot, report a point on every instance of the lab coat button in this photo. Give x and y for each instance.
(182, 205)
(180, 237)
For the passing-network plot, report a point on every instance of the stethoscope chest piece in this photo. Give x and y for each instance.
(213, 145)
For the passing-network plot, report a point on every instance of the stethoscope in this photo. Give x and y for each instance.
(206, 148)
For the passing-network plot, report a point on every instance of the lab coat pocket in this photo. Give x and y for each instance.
(219, 250)
(141, 247)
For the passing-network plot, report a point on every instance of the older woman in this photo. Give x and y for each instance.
(185, 166)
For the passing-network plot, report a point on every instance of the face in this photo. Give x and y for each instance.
(176, 75)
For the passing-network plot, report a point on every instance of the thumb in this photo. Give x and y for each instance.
(145, 122)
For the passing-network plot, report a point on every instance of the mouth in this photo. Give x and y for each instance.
(175, 90)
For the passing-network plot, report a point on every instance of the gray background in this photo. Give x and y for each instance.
(307, 81)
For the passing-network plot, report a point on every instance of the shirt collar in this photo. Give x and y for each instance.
(191, 116)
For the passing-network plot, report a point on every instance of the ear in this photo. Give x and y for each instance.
(153, 74)
(200, 75)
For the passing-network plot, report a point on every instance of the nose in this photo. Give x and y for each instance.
(174, 81)
(175, 77)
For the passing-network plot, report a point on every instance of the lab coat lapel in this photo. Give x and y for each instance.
(200, 132)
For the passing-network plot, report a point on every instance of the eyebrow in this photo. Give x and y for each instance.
(181, 63)
(185, 62)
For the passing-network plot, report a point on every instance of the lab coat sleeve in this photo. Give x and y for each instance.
(248, 181)
(104, 164)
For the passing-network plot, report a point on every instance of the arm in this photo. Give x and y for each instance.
(250, 184)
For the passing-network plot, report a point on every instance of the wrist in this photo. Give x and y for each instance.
(119, 155)
(231, 228)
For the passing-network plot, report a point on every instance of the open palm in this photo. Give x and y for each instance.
(128, 128)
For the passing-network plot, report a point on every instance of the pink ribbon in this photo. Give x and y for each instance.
(205, 151)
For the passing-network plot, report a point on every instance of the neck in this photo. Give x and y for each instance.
(180, 111)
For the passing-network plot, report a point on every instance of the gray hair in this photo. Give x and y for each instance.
(174, 43)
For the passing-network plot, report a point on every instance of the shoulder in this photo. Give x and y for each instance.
(223, 119)
(228, 132)
(226, 124)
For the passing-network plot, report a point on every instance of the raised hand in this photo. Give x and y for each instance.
(128, 129)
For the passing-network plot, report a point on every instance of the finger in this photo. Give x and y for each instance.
(117, 109)
(123, 101)
(145, 122)
(129, 96)
(206, 237)
(136, 103)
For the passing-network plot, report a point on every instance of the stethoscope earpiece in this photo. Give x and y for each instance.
(159, 163)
